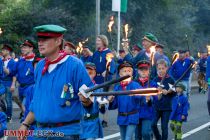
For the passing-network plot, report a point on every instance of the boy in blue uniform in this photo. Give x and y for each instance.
(180, 107)
(146, 109)
(7, 78)
(179, 67)
(128, 115)
(163, 104)
(25, 69)
(91, 124)
(58, 78)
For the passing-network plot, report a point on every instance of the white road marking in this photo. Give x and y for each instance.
(183, 136)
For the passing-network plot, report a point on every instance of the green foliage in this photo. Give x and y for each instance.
(169, 20)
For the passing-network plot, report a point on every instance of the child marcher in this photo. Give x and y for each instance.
(91, 123)
(146, 109)
(163, 104)
(128, 115)
(180, 107)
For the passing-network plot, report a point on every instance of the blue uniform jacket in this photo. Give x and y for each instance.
(202, 65)
(164, 104)
(29, 98)
(180, 106)
(99, 59)
(127, 58)
(86, 59)
(140, 56)
(127, 104)
(208, 71)
(146, 110)
(179, 67)
(91, 128)
(25, 75)
(1, 67)
(3, 122)
(7, 79)
(25, 72)
(49, 101)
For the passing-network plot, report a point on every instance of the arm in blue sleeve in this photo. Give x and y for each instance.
(185, 107)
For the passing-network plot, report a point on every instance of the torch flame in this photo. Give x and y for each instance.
(83, 42)
(152, 52)
(126, 31)
(195, 63)
(208, 47)
(109, 57)
(111, 22)
(79, 48)
(1, 31)
(199, 54)
(175, 58)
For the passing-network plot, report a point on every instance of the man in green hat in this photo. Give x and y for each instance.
(57, 103)
(148, 41)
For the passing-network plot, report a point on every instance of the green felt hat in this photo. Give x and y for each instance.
(49, 30)
(90, 65)
(182, 86)
(150, 37)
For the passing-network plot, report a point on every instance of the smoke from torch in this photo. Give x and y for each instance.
(111, 22)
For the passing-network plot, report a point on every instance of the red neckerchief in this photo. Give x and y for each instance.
(48, 62)
(143, 80)
(5, 59)
(30, 56)
(162, 77)
(124, 84)
(101, 49)
(73, 54)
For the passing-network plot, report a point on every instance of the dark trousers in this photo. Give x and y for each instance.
(164, 115)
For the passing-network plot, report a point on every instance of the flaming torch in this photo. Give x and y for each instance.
(125, 39)
(174, 59)
(1, 31)
(109, 57)
(80, 46)
(208, 48)
(110, 25)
